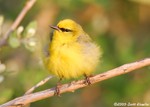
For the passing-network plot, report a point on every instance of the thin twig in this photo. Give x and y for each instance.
(70, 87)
(20, 17)
(42, 82)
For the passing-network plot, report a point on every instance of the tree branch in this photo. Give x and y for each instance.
(70, 87)
(20, 17)
(38, 84)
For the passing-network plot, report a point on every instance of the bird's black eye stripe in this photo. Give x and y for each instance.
(65, 30)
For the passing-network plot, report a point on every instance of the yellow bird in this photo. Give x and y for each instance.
(72, 53)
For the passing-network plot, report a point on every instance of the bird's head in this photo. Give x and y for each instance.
(67, 30)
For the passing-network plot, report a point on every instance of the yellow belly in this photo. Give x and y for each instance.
(70, 61)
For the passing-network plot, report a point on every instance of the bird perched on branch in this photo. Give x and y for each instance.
(72, 53)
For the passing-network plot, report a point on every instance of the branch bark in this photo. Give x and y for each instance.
(70, 87)
(20, 17)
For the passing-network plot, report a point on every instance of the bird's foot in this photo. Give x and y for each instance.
(57, 90)
(87, 79)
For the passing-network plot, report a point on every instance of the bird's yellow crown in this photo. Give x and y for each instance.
(70, 25)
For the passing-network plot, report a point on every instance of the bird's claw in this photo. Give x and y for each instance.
(87, 79)
(57, 90)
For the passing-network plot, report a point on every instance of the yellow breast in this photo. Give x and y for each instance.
(72, 60)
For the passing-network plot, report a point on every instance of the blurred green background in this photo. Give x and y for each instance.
(120, 27)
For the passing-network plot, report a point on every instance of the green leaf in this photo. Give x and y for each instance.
(14, 41)
(30, 30)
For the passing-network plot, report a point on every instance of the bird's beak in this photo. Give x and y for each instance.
(55, 27)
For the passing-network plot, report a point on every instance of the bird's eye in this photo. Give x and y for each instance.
(65, 30)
